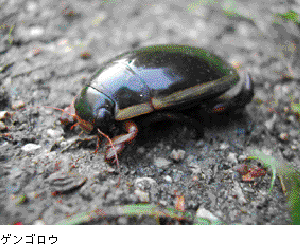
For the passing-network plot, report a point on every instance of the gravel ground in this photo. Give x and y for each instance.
(49, 49)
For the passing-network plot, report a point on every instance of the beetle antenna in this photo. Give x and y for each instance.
(112, 145)
(74, 116)
(58, 109)
(73, 101)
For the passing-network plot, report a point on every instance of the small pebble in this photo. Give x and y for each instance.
(32, 7)
(63, 144)
(162, 163)
(269, 124)
(237, 190)
(242, 158)
(292, 119)
(39, 223)
(36, 31)
(224, 146)
(177, 155)
(289, 154)
(201, 11)
(122, 221)
(32, 195)
(284, 136)
(212, 197)
(194, 165)
(65, 181)
(54, 133)
(177, 177)
(286, 109)
(159, 9)
(294, 147)
(71, 141)
(248, 189)
(59, 140)
(111, 170)
(168, 178)
(293, 134)
(141, 150)
(232, 158)
(4, 115)
(163, 203)
(144, 183)
(267, 151)
(245, 29)
(200, 144)
(280, 91)
(205, 214)
(18, 104)
(191, 158)
(2, 126)
(233, 215)
(85, 55)
(30, 147)
(144, 197)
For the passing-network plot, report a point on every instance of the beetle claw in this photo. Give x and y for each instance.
(111, 153)
(119, 141)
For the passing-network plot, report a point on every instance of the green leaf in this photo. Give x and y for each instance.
(268, 161)
(290, 179)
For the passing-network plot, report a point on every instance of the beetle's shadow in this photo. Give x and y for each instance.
(168, 132)
(178, 130)
(230, 127)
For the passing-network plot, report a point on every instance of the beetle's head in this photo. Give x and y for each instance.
(94, 110)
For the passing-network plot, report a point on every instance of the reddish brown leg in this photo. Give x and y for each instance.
(120, 141)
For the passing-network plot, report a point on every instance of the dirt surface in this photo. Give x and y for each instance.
(49, 49)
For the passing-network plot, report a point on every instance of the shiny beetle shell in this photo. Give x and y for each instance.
(160, 77)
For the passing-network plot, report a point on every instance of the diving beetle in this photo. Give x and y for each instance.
(158, 79)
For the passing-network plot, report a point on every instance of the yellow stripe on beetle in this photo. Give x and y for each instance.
(205, 89)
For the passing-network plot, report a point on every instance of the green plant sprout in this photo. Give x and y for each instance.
(289, 177)
(288, 16)
(269, 162)
(10, 39)
(138, 209)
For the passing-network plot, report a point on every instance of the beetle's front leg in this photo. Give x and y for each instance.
(120, 141)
